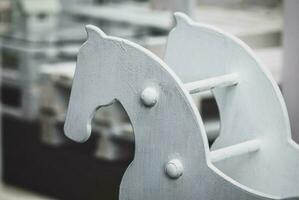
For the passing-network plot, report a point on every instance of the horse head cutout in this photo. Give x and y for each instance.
(252, 109)
(171, 149)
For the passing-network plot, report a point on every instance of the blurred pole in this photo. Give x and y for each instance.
(290, 75)
(186, 6)
(1, 136)
(229, 3)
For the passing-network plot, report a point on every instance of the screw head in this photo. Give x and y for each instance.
(174, 169)
(149, 96)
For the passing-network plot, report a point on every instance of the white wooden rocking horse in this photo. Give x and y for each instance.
(253, 158)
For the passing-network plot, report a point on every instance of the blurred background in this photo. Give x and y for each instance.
(39, 41)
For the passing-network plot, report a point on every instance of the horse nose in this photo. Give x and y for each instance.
(77, 127)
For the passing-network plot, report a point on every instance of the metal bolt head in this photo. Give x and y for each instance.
(174, 169)
(149, 96)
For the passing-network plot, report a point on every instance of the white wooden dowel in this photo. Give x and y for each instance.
(210, 83)
(235, 150)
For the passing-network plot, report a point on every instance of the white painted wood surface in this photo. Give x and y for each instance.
(112, 69)
(211, 83)
(235, 150)
(252, 110)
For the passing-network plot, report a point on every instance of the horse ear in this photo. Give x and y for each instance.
(182, 19)
(94, 32)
